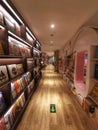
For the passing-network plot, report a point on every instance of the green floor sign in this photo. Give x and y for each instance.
(52, 108)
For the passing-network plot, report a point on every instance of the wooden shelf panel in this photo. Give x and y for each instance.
(95, 80)
(94, 59)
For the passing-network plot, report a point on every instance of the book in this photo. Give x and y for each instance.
(20, 85)
(3, 74)
(6, 91)
(22, 50)
(11, 118)
(14, 49)
(22, 100)
(20, 68)
(14, 115)
(2, 124)
(30, 64)
(18, 106)
(17, 88)
(2, 103)
(13, 91)
(7, 121)
(1, 48)
(12, 70)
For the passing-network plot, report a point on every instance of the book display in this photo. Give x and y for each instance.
(12, 70)
(18, 60)
(3, 74)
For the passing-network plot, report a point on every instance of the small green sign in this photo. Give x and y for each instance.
(52, 108)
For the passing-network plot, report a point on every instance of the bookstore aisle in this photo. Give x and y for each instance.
(67, 114)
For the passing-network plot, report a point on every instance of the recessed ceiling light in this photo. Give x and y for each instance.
(52, 25)
(51, 41)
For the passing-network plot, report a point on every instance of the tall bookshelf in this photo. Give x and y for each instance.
(20, 54)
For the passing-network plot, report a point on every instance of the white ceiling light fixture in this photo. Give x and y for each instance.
(52, 26)
(51, 42)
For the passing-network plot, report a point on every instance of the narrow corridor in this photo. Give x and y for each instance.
(69, 115)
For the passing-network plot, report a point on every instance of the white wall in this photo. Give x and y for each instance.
(86, 37)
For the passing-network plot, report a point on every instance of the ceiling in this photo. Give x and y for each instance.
(67, 15)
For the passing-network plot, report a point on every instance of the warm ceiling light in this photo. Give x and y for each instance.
(51, 41)
(52, 25)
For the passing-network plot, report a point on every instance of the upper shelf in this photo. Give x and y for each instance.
(94, 59)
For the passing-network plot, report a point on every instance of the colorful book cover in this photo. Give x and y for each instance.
(11, 50)
(21, 101)
(2, 103)
(7, 121)
(17, 88)
(12, 70)
(3, 74)
(20, 85)
(13, 91)
(22, 51)
(14, 49)
(14, 112)
(2, 124)
(18, 106)
(23, 81)
(20, 68)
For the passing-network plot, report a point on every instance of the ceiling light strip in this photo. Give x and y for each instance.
(19, 38)
(38, 42)
(36, 50)
(2, 27)
(30, 33)
(7, 4)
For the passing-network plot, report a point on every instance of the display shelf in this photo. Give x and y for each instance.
(9, 56)
(12, 80)
(21, 113)
(8, 6)
(17, 43)
(18, 38)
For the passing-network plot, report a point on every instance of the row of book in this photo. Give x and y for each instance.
(7, 121)
(15, 49)
(14, 27)
(18, 49)
(10, 71)
(9, 92)
(18, 85)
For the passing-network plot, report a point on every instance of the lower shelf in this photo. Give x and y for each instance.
(23, 110)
